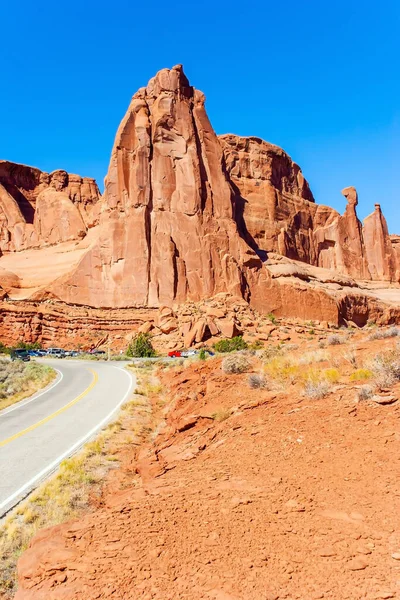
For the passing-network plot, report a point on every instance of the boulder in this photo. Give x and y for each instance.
(145, 327)
(228, 328)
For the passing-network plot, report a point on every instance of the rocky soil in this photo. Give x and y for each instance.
(242, 493)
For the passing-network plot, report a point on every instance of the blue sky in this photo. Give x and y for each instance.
(321, 79)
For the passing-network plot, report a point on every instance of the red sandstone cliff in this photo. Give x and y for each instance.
(167, 232)
(276, 212)
(38, 209)
(185, 215)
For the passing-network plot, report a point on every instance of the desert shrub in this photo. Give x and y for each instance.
(236, 363)
(365, 392)
(271, 317)
(335, 340)
(141, 347)
(256, 345)
(283, 369)
(382, 334)
(361, 374)
(256, 381)
(221, 415)
(4, 349)
(316, 389)
(231, 345)
(29, 346)
(202, 354)
(331, 375)
(272, 351)
(351, 357)
(386, 368)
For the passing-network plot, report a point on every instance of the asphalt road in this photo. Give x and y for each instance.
(39, 432)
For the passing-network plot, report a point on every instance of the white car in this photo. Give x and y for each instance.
(187, 353)
(56, 352)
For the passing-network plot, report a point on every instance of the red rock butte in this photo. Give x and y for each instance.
(186, 215)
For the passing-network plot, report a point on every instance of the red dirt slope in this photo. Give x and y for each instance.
(288, 497)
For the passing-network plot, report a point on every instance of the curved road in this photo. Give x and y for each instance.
(38, 433)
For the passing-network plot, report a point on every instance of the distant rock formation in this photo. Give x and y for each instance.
(185, 215)
(38, 209)
(276, 212)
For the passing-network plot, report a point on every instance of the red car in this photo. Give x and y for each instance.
(175, 353)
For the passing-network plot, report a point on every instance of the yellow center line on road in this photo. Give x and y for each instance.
(54, 414)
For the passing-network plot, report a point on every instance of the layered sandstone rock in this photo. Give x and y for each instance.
(38, 209)
(276, 212)
(167, 232)
(185, 216)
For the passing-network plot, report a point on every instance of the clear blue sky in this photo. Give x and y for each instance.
(321, 79)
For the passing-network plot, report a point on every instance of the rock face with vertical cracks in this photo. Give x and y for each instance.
(167, 232)
(39, 209)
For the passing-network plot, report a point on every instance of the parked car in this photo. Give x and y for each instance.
(186, 353)
(20, 355)
(98, 352)
(56, 353)
(41, 352)
(175, 354)
(33, 353)
(72, 353)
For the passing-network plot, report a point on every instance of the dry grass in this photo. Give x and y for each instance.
(67, 494)
(19, 380)
(314, 356)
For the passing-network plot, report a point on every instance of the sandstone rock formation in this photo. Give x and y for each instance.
(167, 232)
(276, 212)
(185, 216)
(38, 209)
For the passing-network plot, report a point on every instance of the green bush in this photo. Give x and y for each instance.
(232, 345)
(4, 349)
(271, 317)
(141, 347)
(202, 354)
(29, 346)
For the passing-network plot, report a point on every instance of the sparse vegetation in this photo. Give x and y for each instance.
(386, 368)
(382, 334)
(271, 317)
(231, 345)
(365, 392)
(313, 357)
(283, 369)
(351, 357)
(331, 375)
(202, 354)
(256, 345)
(316, 389)
(335, 340)
(256, 381)
(236, 363)
(361, 374)
(19, 380)
(221, 415)
(141, 347)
